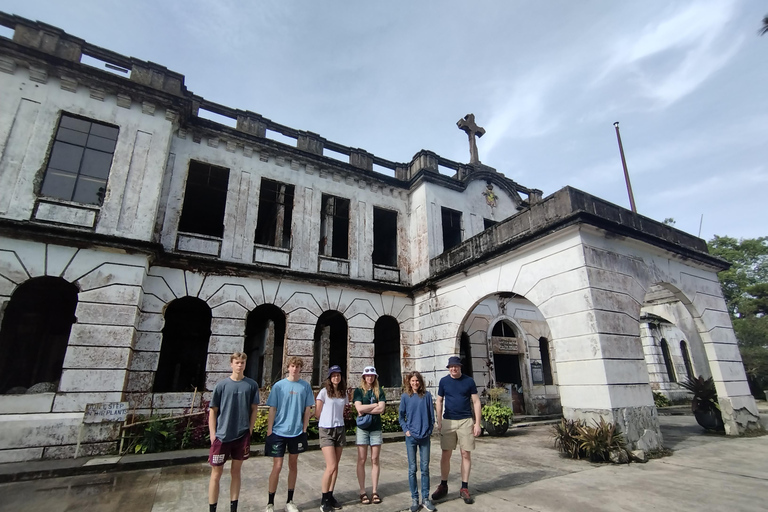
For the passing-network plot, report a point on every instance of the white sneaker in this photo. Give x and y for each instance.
(290, 507)
(270, 508)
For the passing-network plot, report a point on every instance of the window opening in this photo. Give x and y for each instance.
(205, 200)
(80, 160)
(384, 237)
(546, 364)
(668, 360)
(686, 359)
(264, 342)
(487, 223)
(273, 226)
(465, 353)
(334, 227)
(503, 329)
(35, 333)
(507, 369)
(386, 351)
(451, 228)
(184, 348)
(330, 345)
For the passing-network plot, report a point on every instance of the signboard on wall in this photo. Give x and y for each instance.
(537, 372)
(504, 345)
(105, 412)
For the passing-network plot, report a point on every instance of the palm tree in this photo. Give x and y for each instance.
(764, 30)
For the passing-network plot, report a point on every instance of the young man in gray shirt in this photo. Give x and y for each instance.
(233, 410)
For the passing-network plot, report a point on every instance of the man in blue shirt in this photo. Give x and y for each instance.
(233, 410)
(290, 403)
(458, 425)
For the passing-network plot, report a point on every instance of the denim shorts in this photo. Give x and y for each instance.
(366, 438)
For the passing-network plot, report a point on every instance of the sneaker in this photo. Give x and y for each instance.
(325, 507)
(464, 494)
(270, 508)
(415, 505)
(440, 492)
(428, 506)
(334, 504)
(290, 507)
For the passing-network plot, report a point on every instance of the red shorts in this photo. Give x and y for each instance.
(239, 449)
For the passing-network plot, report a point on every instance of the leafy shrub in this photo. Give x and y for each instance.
(260, 427)
(660, 400)
(496, 411)
(576, 439)
(704, 393)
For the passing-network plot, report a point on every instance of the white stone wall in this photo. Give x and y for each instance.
(100, 346)
(29, 115)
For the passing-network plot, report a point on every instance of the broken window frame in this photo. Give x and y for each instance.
(453, 233)
(209, 183)
(384, 237)
(82, 152)
(334, 227)
(275, 216)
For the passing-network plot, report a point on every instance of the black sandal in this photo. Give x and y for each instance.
(376, 498)
(364, 499)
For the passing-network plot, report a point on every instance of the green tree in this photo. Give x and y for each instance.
(745, 287)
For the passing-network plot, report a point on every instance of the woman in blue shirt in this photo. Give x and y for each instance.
(417, 419)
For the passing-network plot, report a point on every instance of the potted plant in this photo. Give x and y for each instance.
(704, 404)
(496, 414)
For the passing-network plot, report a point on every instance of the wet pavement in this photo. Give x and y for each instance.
(518, 472)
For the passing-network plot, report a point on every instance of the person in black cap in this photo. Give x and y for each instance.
(458, 424)
(329, 410)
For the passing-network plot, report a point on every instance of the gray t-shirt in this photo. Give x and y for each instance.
(234, 399)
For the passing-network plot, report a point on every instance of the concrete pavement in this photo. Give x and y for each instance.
(519, 472)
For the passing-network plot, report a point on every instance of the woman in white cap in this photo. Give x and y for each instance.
(369, 399)
(329, 410)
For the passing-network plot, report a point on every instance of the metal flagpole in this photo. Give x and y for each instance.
(626, 172)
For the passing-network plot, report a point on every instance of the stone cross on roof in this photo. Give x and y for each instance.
(467, 123)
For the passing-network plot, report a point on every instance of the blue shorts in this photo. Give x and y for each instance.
(275, 445)
(366, 438)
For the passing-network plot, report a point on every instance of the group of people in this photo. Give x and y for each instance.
(234, 407)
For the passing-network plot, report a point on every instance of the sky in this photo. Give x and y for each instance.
(687, 81)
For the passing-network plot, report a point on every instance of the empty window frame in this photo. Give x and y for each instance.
(451, 228)
(546, 364)
(334, 227)
(205, 200)
(273, 226)
(668, 360)
(487, 223)
(386, 351)
(80, 161)
(384, 237)
(686, 359)
(503, 329)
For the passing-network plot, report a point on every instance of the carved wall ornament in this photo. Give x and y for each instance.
(490, 196)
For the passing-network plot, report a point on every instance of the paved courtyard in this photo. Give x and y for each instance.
(519, 472)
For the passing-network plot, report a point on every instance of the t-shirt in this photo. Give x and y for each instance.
(417, 415)
(367, 398)
(233, 399)
(332, 414)
(457, 394)
(290, 399)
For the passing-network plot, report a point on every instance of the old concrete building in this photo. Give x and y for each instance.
(141, 244)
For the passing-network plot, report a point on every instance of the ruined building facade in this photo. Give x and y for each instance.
(141, 244)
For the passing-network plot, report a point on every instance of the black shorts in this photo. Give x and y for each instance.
(275, 445)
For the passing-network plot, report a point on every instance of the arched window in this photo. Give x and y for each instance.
(331, 339)
(264, 341)
(386, 351)
(35, 333)
(184, 348)
(504, 329)
(465, 353)
(686, 359)
(546, 364)
(668, 360)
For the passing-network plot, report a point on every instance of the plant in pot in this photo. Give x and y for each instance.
(704, 404)
(496, 414)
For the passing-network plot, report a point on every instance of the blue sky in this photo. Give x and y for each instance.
(687, 81)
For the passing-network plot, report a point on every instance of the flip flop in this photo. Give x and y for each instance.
(364, 499)
(376, 498)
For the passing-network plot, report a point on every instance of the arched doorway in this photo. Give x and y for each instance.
(507, 351)
(35, 333)
(330, 347)
(264, 342)
(184, 349)
(386, 351)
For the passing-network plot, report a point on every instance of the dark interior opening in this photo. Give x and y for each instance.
(330, 345)
(465, 353)
(451, 228)
(334, 227)
(273, 226)
(386, 351)
(384, 237)
(205, 200)
(264, 342)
